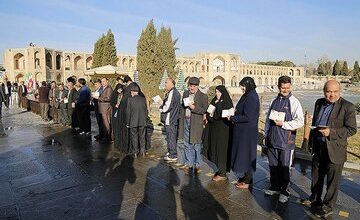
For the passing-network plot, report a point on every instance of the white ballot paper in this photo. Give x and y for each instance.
(228, 112)
(275, 115)
(211, 109)
(187, 101)
(95, 94)
(157, 99)
(66, 100)
(73, 105)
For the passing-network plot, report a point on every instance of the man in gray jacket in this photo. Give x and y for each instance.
(191, 127)
(170, 110)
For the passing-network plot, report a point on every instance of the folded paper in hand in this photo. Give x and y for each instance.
(157, 99)
(96, 94)
(66, 100)
(227, 113)
(211, 109)
(275, 115)
(73, 105)
(188, 101)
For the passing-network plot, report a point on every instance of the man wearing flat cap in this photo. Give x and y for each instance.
(136, 117)
(194, 106)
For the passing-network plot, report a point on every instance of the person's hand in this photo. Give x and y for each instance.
(192, 106)
(279, 123)
(117, 106)
(325, 131)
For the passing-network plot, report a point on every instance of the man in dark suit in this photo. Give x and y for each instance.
(44, 101)
(61, 104)
(2, 97)
(105, 108)
(72, 97)
(83, 107)
(335, 121)
(22, 92)
(136, 117)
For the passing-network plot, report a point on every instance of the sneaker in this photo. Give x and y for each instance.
(270, 192)
(324, 212)
(88, 133)
(170, 159)
(82, 133)
(283, 198)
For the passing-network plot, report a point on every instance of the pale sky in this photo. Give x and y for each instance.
(258, 30)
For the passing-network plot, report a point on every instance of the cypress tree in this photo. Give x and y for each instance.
(109, 50)
(146, 60)
(165, 51)
(356, 72)
(321, 69)
(328, 68)
(336, 69)
(98, 52)
(345, 69)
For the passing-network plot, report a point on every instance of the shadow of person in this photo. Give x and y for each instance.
(159, 200)
(198, 203)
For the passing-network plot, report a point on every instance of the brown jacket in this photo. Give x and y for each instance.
(44, 94)
(196, 119)
(104, 100)
(342, 124)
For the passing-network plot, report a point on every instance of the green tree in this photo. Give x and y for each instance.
(336, 69)
(345, 69)
(321, 69)
(165, 52)
(98, 52)
(356, 72)
(328, 68)
(109, 50)
(146, 61)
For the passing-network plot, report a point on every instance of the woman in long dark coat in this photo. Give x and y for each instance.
(245, 134)
(118, 118)
(219, 131)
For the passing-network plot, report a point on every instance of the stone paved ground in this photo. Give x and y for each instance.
(78, 178)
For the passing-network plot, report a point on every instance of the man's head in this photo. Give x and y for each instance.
(53, 84)
(193, 84)
(332, 91)
(284, 85)
(43, 83)
(97, 84)
(61, 86)
(22, 83)
(104, 82)
(81, 82)
(169, 84)
(120, 80)
(127, 80)
(134, 90)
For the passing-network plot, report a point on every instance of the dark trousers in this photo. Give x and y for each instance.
(83, 115)
(321, 167)
(7, 101)
(137, 139)
(171, 137)
(44, 111)
(99, 121)
(74, 118)
(279, 163)
(0, 108)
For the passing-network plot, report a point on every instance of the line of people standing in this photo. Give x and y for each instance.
(231, 137)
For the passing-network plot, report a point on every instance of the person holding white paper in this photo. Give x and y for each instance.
(169, 115)
(245, 134)
(218, 134)
(191, 126)
(280, 138)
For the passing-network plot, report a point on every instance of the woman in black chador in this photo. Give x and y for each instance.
(118, 103)
(219, 132)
